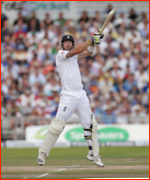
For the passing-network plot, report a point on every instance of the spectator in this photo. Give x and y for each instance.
(122, 118)
(141, 77)
(108, 8)
(143, 27)
(125, 107)
(129, 83)
(61, 19)
(116, 76)
(106, 84)
(4, 19)
(12, 69)
(20, 28)
(117, 72)
(108, 117)
(4, 26)
(72, 31)
(34, 23)
(132, 14)
(36, 76)
(84, 17)
(26, 102)
(50, 86)
(45, 50)
(33, 38)
(97, 17)
(19, 17)
(47, 21)
(137, 115)
(98, 111)
(7, 43)
(35, 63)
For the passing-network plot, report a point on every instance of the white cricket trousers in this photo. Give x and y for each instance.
(69, 104)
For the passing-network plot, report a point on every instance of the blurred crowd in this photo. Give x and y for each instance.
(115, 77)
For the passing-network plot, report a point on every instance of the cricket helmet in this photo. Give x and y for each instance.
(67, 38)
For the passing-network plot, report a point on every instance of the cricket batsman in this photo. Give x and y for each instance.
(73, 98)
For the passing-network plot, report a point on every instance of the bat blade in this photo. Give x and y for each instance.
(110, 15)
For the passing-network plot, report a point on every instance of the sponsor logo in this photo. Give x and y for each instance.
(104, 134)
(75, 134)
(49, 5)
(41, 133)
(112, 134)
(64, 109)
(12, 5)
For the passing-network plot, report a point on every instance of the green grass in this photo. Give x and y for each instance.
(76, 152)
(60, 157)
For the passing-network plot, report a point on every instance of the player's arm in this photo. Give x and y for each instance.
(89, 51)
(85, 54)
(94, 40)
(79, 49)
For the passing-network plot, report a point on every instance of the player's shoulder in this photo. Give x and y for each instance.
(62, 53)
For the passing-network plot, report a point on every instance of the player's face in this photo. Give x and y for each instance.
(67, 45)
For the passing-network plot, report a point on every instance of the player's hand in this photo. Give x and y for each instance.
(97, 38)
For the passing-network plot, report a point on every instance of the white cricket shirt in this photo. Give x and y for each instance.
(69, 73)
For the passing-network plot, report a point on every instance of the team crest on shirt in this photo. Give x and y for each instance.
(62, 53)
(64, 108)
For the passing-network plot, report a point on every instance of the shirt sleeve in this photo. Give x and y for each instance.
(62, 55)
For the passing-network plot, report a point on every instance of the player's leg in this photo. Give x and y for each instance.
(89, 125)
(85, 120)
(54, 130)
(97, 159)
(67, 106)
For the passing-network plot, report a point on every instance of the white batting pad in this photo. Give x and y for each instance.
(94, 137)
(54, 130)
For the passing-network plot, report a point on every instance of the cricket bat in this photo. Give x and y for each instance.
(110, 15)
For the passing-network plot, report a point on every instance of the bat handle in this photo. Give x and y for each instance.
(100, 31)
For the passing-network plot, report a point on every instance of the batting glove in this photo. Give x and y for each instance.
(97, 38)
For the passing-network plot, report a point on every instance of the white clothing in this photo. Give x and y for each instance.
(122, 39)
(115, 45)
(141, 26)
(40, 79)
(33, 39)
(103, 46)
(69, 104)
(14, 71)
(51, 36)
(123, 64)
(48, 88)
(142, 80)
(4, 88)
(69, 73)
(30, 53)
(117, 74)
(122, 119)
(24, 100)
(73, 97)
(95, 68)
